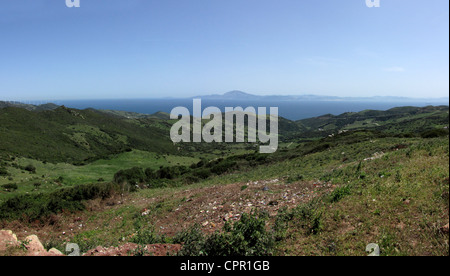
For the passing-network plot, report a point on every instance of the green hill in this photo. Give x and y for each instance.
(339, 184)
(31, 107)
(400, 120)
(75, 136)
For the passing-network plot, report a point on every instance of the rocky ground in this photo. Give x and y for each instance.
(30, 246)
(170, 213)
(209, 207)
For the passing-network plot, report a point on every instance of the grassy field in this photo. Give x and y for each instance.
(47, 175)
(389, 191)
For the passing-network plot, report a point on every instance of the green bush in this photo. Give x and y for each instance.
(3, 171)
(223, 167)
(147, 235)
(35, 206)
(339, 193)
(307, 216)
(150, 174)
(434, 133)
(246, 237)
(202, 173)
(10, 187)
(30, 168)
(130, 178)
(171, 172)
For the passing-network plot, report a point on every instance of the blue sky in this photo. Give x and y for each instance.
(149, 48)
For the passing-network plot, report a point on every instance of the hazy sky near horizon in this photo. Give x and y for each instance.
(176, 48)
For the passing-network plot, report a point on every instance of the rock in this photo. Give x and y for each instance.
(34, 246)
(228, 216)
(31, 245)
(7, 239)
(145, 213)
(55, 252)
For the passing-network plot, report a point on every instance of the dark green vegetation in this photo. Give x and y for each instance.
(40, 206)
(75, 136)
(410, 121)
(246, 237)
(389, 170)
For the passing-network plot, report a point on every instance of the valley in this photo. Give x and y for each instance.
(336, 184)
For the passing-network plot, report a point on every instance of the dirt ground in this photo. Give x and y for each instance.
(209, 207)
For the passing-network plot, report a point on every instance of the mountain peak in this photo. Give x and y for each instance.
(236, 93)
(232, 95)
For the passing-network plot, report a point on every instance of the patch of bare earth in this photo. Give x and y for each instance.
(211, 207)
(173, 212)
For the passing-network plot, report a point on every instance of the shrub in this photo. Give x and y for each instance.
(202, 173)
(30, 168)
(308, 216)
(246, 237)
(223, 167)
(150, 173)
(130, 178)
(35, 206)
(146, 236)
(3, 172)
(339, 193)
(10, 187)
(171, 172)
(434, 133)
(193, 240)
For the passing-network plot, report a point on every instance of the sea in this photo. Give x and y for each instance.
(292, 110)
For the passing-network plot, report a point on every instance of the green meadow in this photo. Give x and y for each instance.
(52, 176)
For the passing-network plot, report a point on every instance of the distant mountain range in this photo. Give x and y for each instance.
(239, 95)
(30, 107)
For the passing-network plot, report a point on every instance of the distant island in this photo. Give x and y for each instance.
(240, 95)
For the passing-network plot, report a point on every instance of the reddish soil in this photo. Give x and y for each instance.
(212, 206)
(209, 207)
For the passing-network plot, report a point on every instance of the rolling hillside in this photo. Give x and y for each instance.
(336, 184)
(75, 136)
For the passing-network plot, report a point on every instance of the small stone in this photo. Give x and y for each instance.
(55, 252)
(444, 229)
